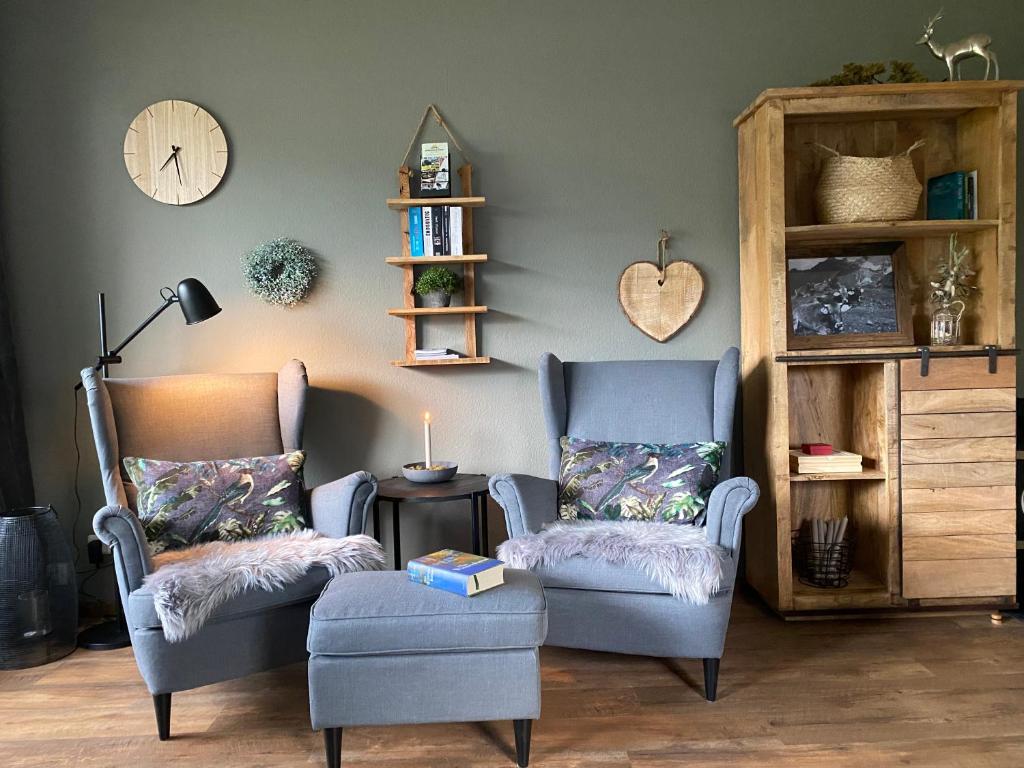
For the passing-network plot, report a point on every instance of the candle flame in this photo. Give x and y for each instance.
(426, 417)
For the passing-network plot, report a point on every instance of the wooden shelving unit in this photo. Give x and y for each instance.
(884, 230)
(404, 203)
(870, 472)
(420, 311)
(403, 261)
(409, 312)
(932, 510)
(428, 363)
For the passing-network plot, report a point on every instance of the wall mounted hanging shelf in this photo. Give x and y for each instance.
(409, 312)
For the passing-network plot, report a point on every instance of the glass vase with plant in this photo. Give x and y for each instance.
(948, 294)
(436, 286)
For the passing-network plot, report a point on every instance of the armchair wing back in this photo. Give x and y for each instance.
(642, 401)
(650, 401)
(192, 418)
(197, 418)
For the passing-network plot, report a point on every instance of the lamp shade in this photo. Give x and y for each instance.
(197, 304)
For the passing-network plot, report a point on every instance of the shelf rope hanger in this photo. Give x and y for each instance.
(431, 109)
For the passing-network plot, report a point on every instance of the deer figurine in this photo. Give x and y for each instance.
(955, 52)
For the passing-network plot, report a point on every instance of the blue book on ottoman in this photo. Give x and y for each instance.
(457, 572)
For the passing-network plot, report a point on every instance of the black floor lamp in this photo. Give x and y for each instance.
(197, 305)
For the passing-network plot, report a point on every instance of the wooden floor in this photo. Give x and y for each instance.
(911, 692)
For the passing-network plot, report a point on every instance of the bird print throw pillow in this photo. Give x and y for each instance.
(181, 504)
(637, 481)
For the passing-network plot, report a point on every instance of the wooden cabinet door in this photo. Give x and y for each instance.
(957, 447)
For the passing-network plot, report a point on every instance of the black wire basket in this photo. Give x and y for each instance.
(38, 589)
(823, 565)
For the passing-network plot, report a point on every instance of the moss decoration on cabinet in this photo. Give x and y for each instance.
(933, 512)
(409, 312)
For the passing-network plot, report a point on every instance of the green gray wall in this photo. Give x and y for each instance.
(591, 125)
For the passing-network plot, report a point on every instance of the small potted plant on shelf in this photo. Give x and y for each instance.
(436, 286)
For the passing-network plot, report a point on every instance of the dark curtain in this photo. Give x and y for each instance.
(15, 470)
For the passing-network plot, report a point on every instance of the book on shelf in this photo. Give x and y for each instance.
(427, 215)
(455, 213)
(446, 230)
(837, 461)
(435, 176)
(437, 217)
(415, 231)
(457, 572)
(435, 354)
(972, 195)
(816, 449)
(953, 196)
(435, 230)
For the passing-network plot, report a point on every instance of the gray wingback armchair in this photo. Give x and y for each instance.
(195, 418)
(593, 604)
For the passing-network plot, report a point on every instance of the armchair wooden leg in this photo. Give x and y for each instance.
(332, 747)
(711, 679)
(522, 729)
(162, 705)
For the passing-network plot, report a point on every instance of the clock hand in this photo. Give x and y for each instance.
(173, 155)
(177, 166)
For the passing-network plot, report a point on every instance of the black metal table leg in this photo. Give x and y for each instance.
(475, 523)
(376, 520)
(397, 532)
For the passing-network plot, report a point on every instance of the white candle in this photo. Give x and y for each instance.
(426, 437)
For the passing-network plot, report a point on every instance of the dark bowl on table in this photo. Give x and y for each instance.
(439, 472)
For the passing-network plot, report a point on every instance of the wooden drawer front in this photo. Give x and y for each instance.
(958, 373)
(963, 499)
(965, 547)
(958, 400)
(959, 578)
(932, 425)
(967, 449)
(958, 475)
(957, 522)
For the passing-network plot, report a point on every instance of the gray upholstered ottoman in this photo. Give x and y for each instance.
(385, 651)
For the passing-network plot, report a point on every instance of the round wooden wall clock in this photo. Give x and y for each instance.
(175, 152)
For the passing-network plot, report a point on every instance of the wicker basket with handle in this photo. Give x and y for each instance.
(852, 189)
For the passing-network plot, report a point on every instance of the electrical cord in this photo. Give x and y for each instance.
(81, 587)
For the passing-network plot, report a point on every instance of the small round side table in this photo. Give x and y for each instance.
(398, 490)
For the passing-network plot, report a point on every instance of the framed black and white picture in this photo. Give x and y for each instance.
(848, 296)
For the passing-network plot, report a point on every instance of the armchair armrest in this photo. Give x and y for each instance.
(529, 502)
(339, 508)
(120, 529)
(729, 502)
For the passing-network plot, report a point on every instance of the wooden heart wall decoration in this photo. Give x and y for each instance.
(660, 299)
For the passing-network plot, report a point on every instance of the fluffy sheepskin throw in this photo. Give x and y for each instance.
(190, 584)
(678, 557)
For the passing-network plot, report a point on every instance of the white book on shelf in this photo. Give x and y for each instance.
(455, 235)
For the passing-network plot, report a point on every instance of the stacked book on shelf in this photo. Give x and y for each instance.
(822, 458)
(435, 354)
(457, 572)
(953, 195)
(435, 230)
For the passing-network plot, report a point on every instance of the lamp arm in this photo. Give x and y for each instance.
(168, 301)
(114, 356)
